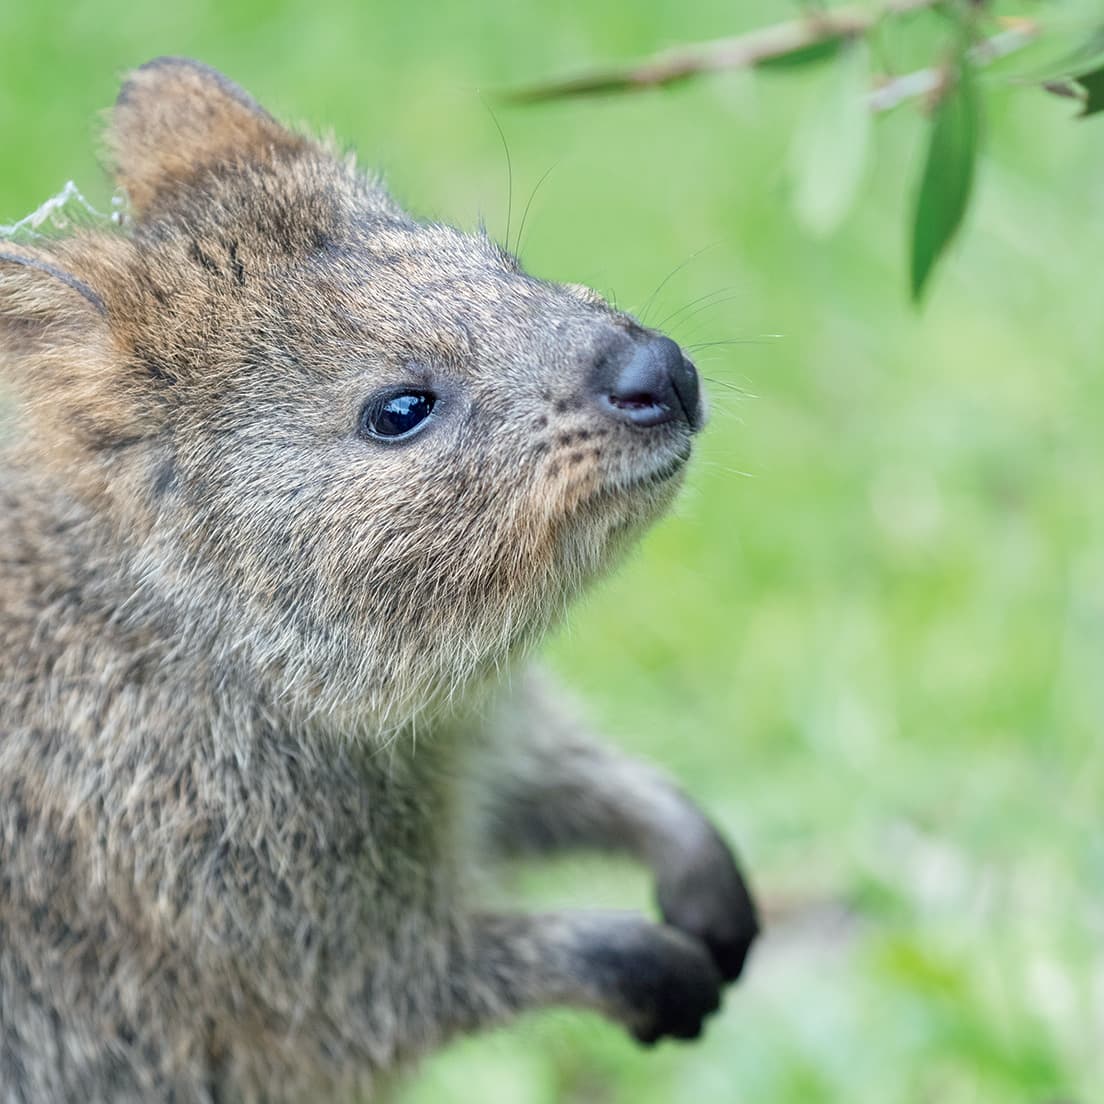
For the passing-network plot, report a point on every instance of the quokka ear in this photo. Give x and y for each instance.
(60, 354)
(43, 303)
(175, 117)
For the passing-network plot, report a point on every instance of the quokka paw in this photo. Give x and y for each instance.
(706, 898)
(662, 983)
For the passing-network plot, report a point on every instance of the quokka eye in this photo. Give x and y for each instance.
(392, 417)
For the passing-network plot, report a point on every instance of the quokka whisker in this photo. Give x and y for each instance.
(642, 314)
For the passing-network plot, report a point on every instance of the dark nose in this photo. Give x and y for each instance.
(647, 383)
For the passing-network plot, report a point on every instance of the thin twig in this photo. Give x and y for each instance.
(926, 82)
(737, 52)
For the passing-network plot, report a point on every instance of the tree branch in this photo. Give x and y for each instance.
(739, 52)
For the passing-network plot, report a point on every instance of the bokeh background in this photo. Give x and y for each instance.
(871, 639)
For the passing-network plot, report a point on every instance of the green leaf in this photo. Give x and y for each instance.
(948, 174)
(1088, 55)
(1093, 84)
(1061, 47)
(823, 50)
(828, 155)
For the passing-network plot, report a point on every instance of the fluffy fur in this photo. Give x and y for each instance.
(262, 704)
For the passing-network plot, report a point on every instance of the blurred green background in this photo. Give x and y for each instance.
(871, 640)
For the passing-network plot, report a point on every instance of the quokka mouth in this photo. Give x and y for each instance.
(670, 469)
(657, 474)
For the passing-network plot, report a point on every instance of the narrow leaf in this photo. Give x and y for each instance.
(948, 175)
(828, 156)
(823, 50)
(1053, 51)
(1093, 84)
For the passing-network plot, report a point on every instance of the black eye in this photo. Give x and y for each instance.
(392, 416)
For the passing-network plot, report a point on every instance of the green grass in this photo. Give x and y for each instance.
(872, 638)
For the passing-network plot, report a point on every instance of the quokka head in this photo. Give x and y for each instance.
(365, 456)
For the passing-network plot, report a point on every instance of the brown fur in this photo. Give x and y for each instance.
(257, 716)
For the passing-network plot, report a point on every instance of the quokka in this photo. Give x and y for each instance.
(295, 484)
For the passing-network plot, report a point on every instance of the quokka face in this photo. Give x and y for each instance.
(369, 455)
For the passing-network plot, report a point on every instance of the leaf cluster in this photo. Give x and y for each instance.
(1057, 47)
